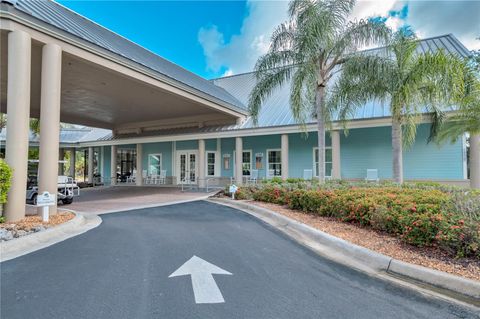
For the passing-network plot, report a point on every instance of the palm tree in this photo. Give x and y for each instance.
(467, 119)
(307, 50)
(411, 82)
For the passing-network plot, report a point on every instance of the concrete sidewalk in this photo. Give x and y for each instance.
(101, 200)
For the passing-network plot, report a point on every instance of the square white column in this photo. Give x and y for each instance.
(336, 167)
(238, 160)
(201, 164)
(90, 165)
(284, 156)
(139, 175)
(113, 165)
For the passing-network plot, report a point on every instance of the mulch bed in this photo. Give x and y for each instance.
(431, 257)
(32, 224)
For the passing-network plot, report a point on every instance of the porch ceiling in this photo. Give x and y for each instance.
(93, 95)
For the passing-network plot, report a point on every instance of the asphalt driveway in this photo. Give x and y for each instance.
(121, 269)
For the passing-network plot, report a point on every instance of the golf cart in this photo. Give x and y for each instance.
(67, 188)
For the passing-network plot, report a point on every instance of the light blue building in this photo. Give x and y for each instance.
(161, 124)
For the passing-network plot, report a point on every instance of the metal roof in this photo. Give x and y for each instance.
(57, 16)
(276, 109)
(68, 135)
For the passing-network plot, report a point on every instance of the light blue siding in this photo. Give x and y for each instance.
(227, 145)
(164, 148)
(187, 145)
(371, 148)
(362, 149)
(300, 155)
(260, 144)
(107, 155)
(431, 161)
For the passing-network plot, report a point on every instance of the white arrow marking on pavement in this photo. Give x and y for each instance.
(204, 286)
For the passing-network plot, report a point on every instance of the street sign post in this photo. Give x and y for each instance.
(44, 200)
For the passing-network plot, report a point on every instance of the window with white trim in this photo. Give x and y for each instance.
(274, 163)
(154, 164)
(211, 163)
(328, 161)
(246, 162)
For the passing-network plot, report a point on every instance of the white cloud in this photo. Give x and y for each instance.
(242, 50)
(427, 18)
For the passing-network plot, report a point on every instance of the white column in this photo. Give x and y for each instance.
(238, 160)
(218, 158)
(201, 164)
(18, 113)
(113, 165)
(174, 163)
(138, 176)
(50, 119)
(475, 161)
(90, 165)
(73, 160)
(284, 156)
(336, 169)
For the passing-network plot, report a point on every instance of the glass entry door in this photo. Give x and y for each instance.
(187, 167)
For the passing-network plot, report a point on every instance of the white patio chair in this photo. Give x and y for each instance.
(162, 178)
(307, 174)
(372, 175)
(253, 178)
(132, 177)
(146, 180)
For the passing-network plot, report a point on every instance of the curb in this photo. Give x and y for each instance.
(361, 258)
(21, 246)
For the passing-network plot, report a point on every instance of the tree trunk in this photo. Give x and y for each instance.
(397, 154)
(475, 161)
(320, 104)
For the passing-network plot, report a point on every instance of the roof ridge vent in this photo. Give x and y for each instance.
(12, 2)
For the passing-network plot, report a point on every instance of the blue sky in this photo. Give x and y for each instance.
(216, 38)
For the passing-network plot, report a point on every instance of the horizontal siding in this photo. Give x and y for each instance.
(431, 161)
(164, 148)
(371, 148)
(107, 155)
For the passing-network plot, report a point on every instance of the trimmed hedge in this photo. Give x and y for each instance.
(5, 177)
(419, 216)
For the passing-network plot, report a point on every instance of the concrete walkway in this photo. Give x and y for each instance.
(101, 200)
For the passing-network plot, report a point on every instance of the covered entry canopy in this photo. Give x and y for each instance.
(108, 81)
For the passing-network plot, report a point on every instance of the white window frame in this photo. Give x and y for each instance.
(251, 161)
(267, 168)
(216, 164)
(315, 173)
(160, 161)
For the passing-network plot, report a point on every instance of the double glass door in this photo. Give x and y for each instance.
(187, 167)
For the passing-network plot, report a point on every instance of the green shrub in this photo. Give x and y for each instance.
(5, 177)
(422, 216)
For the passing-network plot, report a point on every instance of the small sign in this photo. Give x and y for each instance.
(233, 189)
(46, 199)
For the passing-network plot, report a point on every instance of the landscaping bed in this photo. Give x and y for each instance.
(32, 224)
(424, 223)
(384, 243)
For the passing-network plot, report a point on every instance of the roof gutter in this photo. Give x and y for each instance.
(92, 48)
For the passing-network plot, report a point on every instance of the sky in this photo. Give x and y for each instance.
(219, 38)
